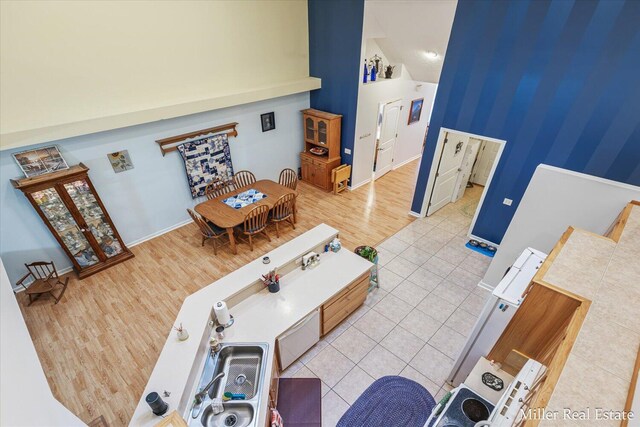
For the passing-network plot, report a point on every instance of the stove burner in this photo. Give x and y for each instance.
(475, 410)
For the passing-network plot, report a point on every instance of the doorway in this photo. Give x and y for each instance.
(461, 173)
(386, 137)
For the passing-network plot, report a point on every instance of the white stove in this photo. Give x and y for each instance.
(488, 397)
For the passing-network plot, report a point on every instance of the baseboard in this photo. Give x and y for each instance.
(407, 161)
(128, 244)
(365, 182)
(485, 286)
(416, 214)
(158, 233)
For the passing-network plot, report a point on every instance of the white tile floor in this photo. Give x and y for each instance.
(414, 325)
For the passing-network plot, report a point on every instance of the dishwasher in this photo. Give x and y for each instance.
(299, 338)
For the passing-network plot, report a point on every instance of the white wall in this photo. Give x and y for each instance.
(154, 195)
(554, 200)
(66, 62)
(26, 396)
(410, 137)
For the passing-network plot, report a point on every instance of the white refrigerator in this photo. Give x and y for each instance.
(496, 314)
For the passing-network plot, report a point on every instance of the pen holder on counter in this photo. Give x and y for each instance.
(272, 281)
(274, 287)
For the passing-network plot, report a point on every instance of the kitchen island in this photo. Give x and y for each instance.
(260, 316)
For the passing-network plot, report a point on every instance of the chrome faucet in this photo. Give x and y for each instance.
(200, 396)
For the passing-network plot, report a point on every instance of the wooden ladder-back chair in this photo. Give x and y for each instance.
(217, 187)
(255, 223)
(208, 230)
(44, 280)
(288, 178)
(243, 178)
(283, 211)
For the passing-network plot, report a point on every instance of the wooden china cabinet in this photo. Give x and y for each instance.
(71, 209)
(321, 133)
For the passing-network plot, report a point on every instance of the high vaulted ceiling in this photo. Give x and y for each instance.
(406, 30)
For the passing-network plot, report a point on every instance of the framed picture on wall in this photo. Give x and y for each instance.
(120, 161)
(268, 121)
(40, 161)
(416, 110)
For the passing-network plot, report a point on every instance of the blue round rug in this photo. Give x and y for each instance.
(390, 401)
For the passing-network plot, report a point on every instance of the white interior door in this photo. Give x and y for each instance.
(470, 155)
(449, 164)
(486, 157)
(388, 135)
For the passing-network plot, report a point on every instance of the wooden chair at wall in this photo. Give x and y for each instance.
(255, 223)
(243, 178)
(208, 230)
(289, 179)
(44, 280)
(283, 211)
(217, 187)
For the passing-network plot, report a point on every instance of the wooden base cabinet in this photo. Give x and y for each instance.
(71, 209)
(321, 132)
(317, 171)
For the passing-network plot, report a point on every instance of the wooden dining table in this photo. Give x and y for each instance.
(224, 216)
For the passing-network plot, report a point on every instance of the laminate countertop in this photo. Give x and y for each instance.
(600, 366)
(259, 318)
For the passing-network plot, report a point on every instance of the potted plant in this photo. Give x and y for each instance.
(272, 281)
(368, 253)
(181, 332)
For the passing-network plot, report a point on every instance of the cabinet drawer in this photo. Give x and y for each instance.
(360, 282)
(355, 294)
(343, 311)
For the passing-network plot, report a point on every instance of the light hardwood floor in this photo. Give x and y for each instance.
(99, 345)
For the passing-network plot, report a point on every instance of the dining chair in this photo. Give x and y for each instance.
(243, 178)
(44, 278)
(208, 230)
(217, 187)
(283, 211)
(288, 178)
(255, 222)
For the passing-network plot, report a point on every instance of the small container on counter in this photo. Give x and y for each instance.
(220, 333)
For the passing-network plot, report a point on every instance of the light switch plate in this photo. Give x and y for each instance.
(507, 202)
(347, 151)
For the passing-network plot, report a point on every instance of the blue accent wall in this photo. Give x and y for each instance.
(559, 80)
(335, 40)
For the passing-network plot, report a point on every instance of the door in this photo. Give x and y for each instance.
(310, 130)
(483, 166)
(469, 158)
(64, 226)
(386, 143)
(94, 217)
(300, 338)
(449, 164)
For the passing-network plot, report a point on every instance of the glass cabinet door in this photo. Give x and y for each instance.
(322, 131)
(54, 209)
(310, 130)
(94, 216)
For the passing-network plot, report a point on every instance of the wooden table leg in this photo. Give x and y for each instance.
(232, 241)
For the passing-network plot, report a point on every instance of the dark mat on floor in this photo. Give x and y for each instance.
(390, 401)
(300, 402)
